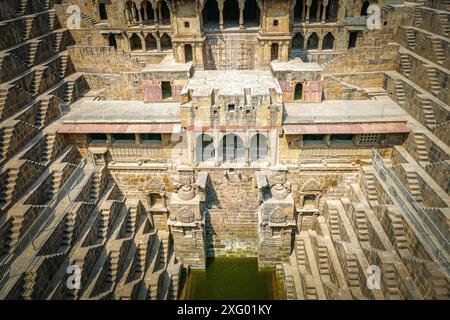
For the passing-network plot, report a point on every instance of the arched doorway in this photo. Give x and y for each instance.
(258, 148)
(150, 42)
(165, 12)
(313, 42)
(166, 42)
(231, 13)
(297, 41)
(364, 8)
(205, 148)
(210, 14)
(298, 10)
(252, 14)
(135, 42)
(147, 12)
(232, 148)
(328, 41)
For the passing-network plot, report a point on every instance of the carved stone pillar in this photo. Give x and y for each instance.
(241, 15)
(303, 17)
(139, 13)
(144, 6)
(341, 12)
(320, 44)
(324, 12)
(308, 5)
(276, 219)
(187, 218)
(220, 5)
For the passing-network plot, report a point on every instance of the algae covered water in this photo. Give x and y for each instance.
(231, 279)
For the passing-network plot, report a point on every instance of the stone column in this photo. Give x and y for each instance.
(158, 41)
(308, 5)
(159, 13)
(305, 41)
(220, 6)
(144, 6)
(241, 15)
(134, 13)
(341, 12)
(139, 13)
(303, 16)
(320, 44)
(324, 12)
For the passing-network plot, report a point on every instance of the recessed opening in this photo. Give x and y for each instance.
(151, 138)
(166, 90)
(247, 111)
(298, 92)
(364, 8)
(188, 53)
(102, 11)
(352, 37)
(124, 138)
(186, 24)
(275, 23)
(112, 41)
(313, 138)
(342, 138)
(274, 52)
(231, 108)
(97, 138)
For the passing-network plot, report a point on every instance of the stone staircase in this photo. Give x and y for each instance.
(410, 39)
(95, 187)
(69, 226)
(63, 65)
(390, 281)
(54, 186)
(413, 185)
(102, 227)
(438, 51)
(22, 7)
(5, 140)
(333, 224)
(421, 147)
(47, 152)
(38, 72)
(445, 27)
(428, 113)
(13, 234)
(58, 39)
(360, 222)
(68, 95)
(418, 20)
(323, 261)
(41, 114)
(32, 49)
(51, 19)
(433, 80)
(400, 240)
(400, 92)
(405, 64)
(91, 20)
(28, 20)
(301, 253)
(113, 266)
(369, 184)
(310, 288)
(7, 188)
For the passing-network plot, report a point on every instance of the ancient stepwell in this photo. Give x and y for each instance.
(139, 140)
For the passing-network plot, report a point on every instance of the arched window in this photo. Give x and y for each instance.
(150, 42)
(166, 42)
(251, 13)
(364, 8)
(313, 42)
(211, 14)
(205, 147)
(165, 13)
(231, 13)
(298, 10)
(297, 42)
(328, 42)
(232, 148)
(314, 11)
(258, 148)
(147, 12)
(135, 42)
(298, 91)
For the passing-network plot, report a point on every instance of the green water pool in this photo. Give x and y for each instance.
(231, 279)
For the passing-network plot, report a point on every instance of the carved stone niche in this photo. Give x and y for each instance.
(156, 192)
